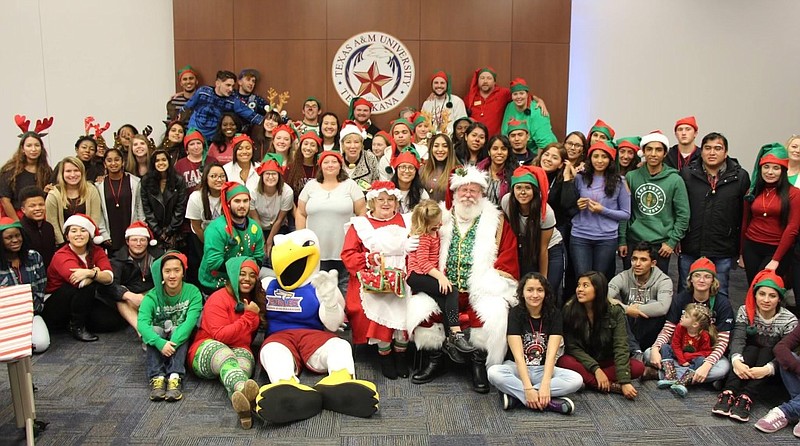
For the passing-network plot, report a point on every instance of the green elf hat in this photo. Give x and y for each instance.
(233, 267)
(765, 278)
(416, 119)
(402, 121)
(312, 98)
(631, 142)
(356, 101)
(602, 127)
(446, 76)
(272, 162)
(186, 69)
(519, 84)
(489, 70)
(771, 153)
(514, 124)
(8, 223)
(536, 176)
(230, 190)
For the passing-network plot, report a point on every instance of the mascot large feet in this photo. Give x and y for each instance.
(304, 311)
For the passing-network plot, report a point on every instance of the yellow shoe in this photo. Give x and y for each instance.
(341, 393)
(287, 401)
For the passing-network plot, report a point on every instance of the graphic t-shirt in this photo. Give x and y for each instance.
(535, 333)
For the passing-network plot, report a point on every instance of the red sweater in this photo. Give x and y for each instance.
(426, 257)
(681, 340)
(66, 259)
(490, 110)
(222, 323)
(768, 230)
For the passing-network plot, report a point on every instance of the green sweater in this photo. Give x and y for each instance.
(659, 208)
(182, 310)
(539, 127)
(219, 247)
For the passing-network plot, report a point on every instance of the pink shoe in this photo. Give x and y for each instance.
(773, 421)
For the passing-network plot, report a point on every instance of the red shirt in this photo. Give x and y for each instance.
(701, 344)
(65, 259)
(768, 230)
(490, 110)
(426, 257)
(222, 323)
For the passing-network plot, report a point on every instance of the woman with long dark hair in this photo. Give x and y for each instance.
(597, 340)
(221, 147)
(473, 149)
(536, 341)
(329, 131)
(406, 179)
(120, 198)
(303, 167)
(500, 166)
(771, 217)
(173, 140)
(242, 169)
(442, 161)
(628, 154)
(575, 145)
(539, 246)
(603, 200)
(27, 167)
(164, 200)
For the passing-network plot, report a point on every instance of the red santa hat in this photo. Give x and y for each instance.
(140, 229)
(351, 128)
(656, 136)
(377, 187)
(85, 222)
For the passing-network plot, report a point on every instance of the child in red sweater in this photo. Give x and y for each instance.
(424, 275)
(692, 341)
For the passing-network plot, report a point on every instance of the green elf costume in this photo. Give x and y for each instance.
(539, 127)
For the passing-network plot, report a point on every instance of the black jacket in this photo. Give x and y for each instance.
(164, 213)
(672, 157)
(716, 216)
(127, 276)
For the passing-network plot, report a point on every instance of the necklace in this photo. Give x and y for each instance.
(764, 201)
(115, 195)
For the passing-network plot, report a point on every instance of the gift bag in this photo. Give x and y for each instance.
(16, 322)
(377, 278)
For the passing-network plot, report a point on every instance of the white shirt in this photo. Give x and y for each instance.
(233, 171)
(194, 208)
(269, 207)
(327, 213)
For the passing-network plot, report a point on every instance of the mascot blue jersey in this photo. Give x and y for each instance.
(288, 310)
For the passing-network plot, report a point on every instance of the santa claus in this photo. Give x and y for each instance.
(479, 256)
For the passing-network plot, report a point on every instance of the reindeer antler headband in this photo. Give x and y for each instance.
(89, 123)
(24, 124)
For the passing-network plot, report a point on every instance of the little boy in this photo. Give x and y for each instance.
(167, 316)
(40, 232)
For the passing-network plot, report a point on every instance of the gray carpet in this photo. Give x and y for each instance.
(97, 394)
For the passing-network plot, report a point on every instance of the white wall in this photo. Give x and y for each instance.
(68, 59)
(641, 64)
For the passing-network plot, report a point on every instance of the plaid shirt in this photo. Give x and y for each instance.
(34, 273)
(208, 108)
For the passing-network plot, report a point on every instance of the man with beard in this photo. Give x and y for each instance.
(188, 80)
(486, 101)
(479, 253)
(361, 112)
(443, 106)
(132, 279)
(233, 234)
(312, 108)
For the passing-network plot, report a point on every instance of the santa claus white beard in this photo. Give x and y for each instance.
(468, 208)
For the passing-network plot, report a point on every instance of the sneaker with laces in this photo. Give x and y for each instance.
(773, 421)
(508, 402)
(158, 386)
(173, 390)
(561, 405)
(724, 402)
(741, 410)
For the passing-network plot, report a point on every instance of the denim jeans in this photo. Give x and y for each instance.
(593, 255)
(555, 270)
(723, 265)
(667, 354)
(718, 371)
(792, 383)
(159, 365)
(506, 378)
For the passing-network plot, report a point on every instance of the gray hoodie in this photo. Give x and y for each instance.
(654, 298)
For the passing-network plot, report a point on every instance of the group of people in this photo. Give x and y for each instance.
(466, 229)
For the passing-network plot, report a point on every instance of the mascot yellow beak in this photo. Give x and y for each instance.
(295, 259)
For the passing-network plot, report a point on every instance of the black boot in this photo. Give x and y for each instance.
(387, 366)
(401, 363)
(433, 367)
(480, 381)
(80, 333)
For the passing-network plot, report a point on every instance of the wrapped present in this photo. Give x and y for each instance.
(378, 278)
(16, 322)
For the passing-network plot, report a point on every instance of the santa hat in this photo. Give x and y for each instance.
(446, 76)
(327, 153)
(377, 187)
(184, 70)
(285, 128)
(703, 264)
(519, 84)
(536, 176)
(771, 153)
(312, 135)
(408, 155)
(356, 101)
(654, 136)
(85, 222)
(230, 190)
(631, 142)
(241, 137)
(689, 120)
(514, 124)
(468, 175)
(602, 127)
(605, 147)
(272, 162)
(140, 229)
(765, 278)
(474, 92)
(351, 128)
